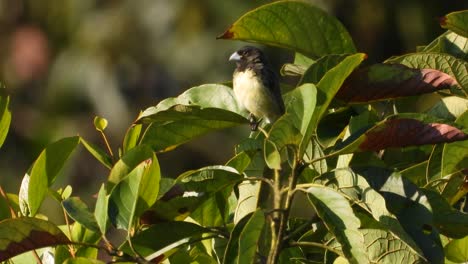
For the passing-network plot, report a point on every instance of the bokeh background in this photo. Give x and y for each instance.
(65, 61)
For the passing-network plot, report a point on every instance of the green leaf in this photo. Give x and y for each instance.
(134, 194)
(457, 250)
(320, 67)
(44, 171)
(82, 260)
(98, 153)
(449, 108)
(5, 118)
(127, 163)
(231, 255)
(79, 212)
(249, 238)
(101, 209)
(298, 26)
(192, 189)
(7, 207)
(339, 217)
(214, 211)
(454, 154)
(131, 137)
(360, 192)
(456, 22)
(300, 107)
(330, 84)
(450, 43)
(162, 237)
(19, 235)
(450, 65)
(197, 111)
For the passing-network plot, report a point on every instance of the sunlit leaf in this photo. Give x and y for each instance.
(46, 168)
(454, 156)
(339, 217)
(82, 260)
(19, 235)
(101, 209)
(127, 163)
(457, 250)
(456, 22)
(298, 26)
(248, 238)
(231, 255)
(388, 81)
(319, 68)
(5, 118)
(131, 137)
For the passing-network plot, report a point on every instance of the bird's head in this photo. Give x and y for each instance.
(247, 56)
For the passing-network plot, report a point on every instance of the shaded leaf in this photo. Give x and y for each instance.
(46, 168)
(231, 255)
(20, 235)
(340, 220)
(79, 212)
(98, 153)
(248, 238)
(449, 108)
(456, 22)
(387, 81)
(162, 237)
(10, 206)
(298, 26)
(82, 260)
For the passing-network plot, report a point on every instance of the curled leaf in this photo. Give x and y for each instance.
(386, 81)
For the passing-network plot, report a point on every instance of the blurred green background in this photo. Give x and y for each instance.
(65, 61)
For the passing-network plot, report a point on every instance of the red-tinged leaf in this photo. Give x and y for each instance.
(386, 81)
(409, 132)
(20, 235)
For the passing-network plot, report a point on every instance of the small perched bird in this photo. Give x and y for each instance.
(256, 86)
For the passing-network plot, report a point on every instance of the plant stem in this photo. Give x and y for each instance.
(277, 215)
(12, 212)
(315, 244)
(107, 145)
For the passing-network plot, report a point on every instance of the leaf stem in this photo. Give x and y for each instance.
(315, 244)
(5, 196)
(107, 144)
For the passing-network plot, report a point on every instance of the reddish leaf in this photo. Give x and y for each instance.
(409, 132)
(386, 81)
(20, 235)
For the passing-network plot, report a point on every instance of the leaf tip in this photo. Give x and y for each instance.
(228, 34)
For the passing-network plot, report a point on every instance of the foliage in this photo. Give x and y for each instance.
(357, 170)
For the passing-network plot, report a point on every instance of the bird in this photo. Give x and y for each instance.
(256, 86)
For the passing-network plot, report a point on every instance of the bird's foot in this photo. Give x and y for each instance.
(253, 122)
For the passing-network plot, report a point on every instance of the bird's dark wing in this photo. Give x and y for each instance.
(270, 80)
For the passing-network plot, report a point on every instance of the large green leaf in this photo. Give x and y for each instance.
(197, 111)
(330, 84)
(248, 238)
(410, 205)
(457, 22)
(450, 65)
(43, 173)
(101, 210)
(294, 25)
(359, 191)
(454, 156)
(320, 67)
(457, 250)
(134, 194)
(231, 255)
(131, 137)
(98, 153)
(333, 208)
(19, 235)
(162, 237)
(127, 163)
(450, 43)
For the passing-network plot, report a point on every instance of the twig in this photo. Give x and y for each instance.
(315, 244)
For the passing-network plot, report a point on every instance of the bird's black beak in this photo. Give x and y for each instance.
(235, 57)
